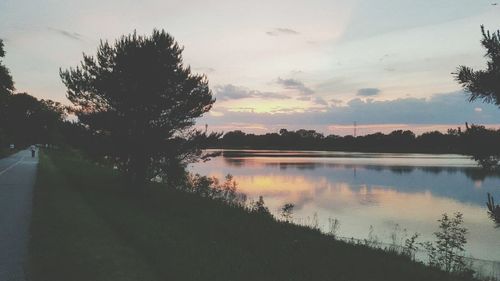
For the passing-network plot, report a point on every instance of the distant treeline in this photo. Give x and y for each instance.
(475, 140)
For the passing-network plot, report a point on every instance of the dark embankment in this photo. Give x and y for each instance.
(86, 227)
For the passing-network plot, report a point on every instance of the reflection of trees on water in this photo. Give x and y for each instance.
(464, 184)
(238, 162)
(480, 174)
(472, 173)
(401, 169)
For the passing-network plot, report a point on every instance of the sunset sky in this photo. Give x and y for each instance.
(273, 64)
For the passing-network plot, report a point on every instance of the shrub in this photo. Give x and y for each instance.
(287, 212)
(448, 249)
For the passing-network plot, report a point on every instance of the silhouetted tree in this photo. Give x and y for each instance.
(139, 93)
(30, 120)
(259, 207)
(6, 88)
(448, 251)
(20, 111)
(482, 144)
(485, 85)
(286, 212)
(455, 141)
(6, 83)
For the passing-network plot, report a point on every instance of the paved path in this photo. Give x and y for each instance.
(17, 177)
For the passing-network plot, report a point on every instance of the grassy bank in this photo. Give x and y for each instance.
(5, 152)
(86, 227)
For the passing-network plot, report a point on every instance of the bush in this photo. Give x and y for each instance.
(448, 250)
(287, 212)
(210, 187)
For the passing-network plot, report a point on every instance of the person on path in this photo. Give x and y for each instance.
(32, 151)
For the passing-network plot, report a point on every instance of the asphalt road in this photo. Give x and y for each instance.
(17, 178)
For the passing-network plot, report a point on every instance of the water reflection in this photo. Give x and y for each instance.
(454, 182)
(362, 190)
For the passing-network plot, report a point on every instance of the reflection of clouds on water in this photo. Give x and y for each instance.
(365, 197)
(471, 172)
(455, 182)
(300, 199)
(361, 194)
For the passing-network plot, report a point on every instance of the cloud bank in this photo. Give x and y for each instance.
(294, 84)
(282, 31)
(232, 92)
(368, 92)
(450, 108)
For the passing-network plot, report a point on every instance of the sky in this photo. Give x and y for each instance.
(318, 64)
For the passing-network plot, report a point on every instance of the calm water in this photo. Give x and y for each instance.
(369, 189)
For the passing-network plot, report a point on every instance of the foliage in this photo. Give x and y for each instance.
(484, 84)
(210, 187)
(25, 119)
(372, 240)
(454, 141)
(286, 212)
(333, 227)
(482, 144)
(139, 94)
(411, 246)
(397, 236)
(493, 210)
(6, 82)
(6, 88)
(448, 250)
(30, 120)
(259, 207)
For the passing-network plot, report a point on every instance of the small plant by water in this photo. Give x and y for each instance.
(411, 246)
(259, 207)
(493, 210)
(286, 212)
(372, 240)
(397, 236)
(211, 187)
(447, 252)
(333, 227)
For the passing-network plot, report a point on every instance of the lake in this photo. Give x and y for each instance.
(385, 192)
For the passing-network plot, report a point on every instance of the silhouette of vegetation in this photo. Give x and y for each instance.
(372, 240)
(493, 210)
(32, 121)
(447, 252)
(397, 236)
(139, 98)
(259, 207)
(411, 246)
(210, 187)
(24, 119)
(485, 85)
(286, 212)
(6, 82)
(6, 88)
(476, 140)
(482, 144)
(333, 227)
